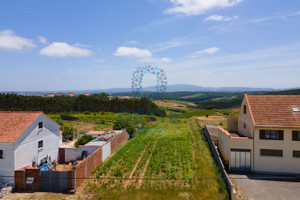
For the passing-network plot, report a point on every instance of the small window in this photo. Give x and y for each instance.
(40, 145)
(271, 134)
(1, 154)
(245, 109)
(271, 152)
(295, 108)
(245, 125)
(296, 135)
(296, 154)
(40, 124)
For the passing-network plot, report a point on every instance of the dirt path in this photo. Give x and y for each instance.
(193, 144)
(146, 165)
(127, 182)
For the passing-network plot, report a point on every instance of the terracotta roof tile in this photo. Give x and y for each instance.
(274, 110)
(96, 132)
(13, 124)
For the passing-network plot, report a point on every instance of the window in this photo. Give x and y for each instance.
(296, 135)
(245, 109)
(295, 108)
(296, 154)
(271, 134)
(40, 144)
(40, 124)
(271, 152)
(1, 154)
(244, 125)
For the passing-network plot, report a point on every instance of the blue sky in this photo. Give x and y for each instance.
(74, 45)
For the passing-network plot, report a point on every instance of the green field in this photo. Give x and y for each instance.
(161, 165)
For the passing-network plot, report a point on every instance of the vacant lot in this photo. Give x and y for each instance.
(161, 165)
(170, 104)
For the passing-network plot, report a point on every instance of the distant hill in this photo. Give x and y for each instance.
(285, 92)
(195, 88)
(170, 88)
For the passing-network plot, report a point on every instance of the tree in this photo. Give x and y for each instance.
(84, 140)
(124, 124)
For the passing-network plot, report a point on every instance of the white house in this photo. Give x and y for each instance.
(25, 139)
(265, 137)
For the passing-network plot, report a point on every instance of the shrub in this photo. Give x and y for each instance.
(83, 140)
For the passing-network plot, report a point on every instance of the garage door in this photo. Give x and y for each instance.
(240, 160)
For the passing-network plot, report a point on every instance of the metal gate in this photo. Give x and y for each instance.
(240, 160)
(54, 181)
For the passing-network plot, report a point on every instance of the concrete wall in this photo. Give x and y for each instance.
(232, 123)
(7, 163)
(220, 164)
(285, 164)
(223, 145)
(106, 151)
(245, 118)
(226, 143)
(26, 146)
(72, 154)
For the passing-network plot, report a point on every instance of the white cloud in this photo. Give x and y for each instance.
(211, 50)
(61, 49)
(196, 7)
(43, 40)
(132, 51)
(220, 18)
(155, 60)
(144, 55)
(10, 41)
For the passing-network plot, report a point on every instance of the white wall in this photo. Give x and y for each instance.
(7, 163)
(106, 151)
(26, 146)
(285, 164)
(75, 153)
(245, 118)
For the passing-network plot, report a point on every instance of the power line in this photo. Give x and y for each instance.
(163, 179)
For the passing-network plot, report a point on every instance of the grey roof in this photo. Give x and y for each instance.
(212, 130)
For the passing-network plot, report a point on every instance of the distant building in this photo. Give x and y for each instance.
(26, 138)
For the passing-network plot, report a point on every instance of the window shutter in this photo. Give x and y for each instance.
(280, 135)
(295, 136)
(262, 134)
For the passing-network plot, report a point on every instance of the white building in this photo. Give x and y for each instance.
(25, 139)
(265, 137)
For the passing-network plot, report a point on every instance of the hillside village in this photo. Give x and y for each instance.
(149, 100)
(34, 157)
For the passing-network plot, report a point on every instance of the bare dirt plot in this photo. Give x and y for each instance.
(170, 104)
(213, 120)
(35, 196)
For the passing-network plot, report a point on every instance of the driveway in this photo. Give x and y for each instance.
(264, 187)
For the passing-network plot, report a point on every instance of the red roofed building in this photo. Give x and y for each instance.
(265, 137)
(25, 139)
(95, 134)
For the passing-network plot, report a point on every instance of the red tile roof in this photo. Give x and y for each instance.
(96, 132)
(274, 110)
(13, 124)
